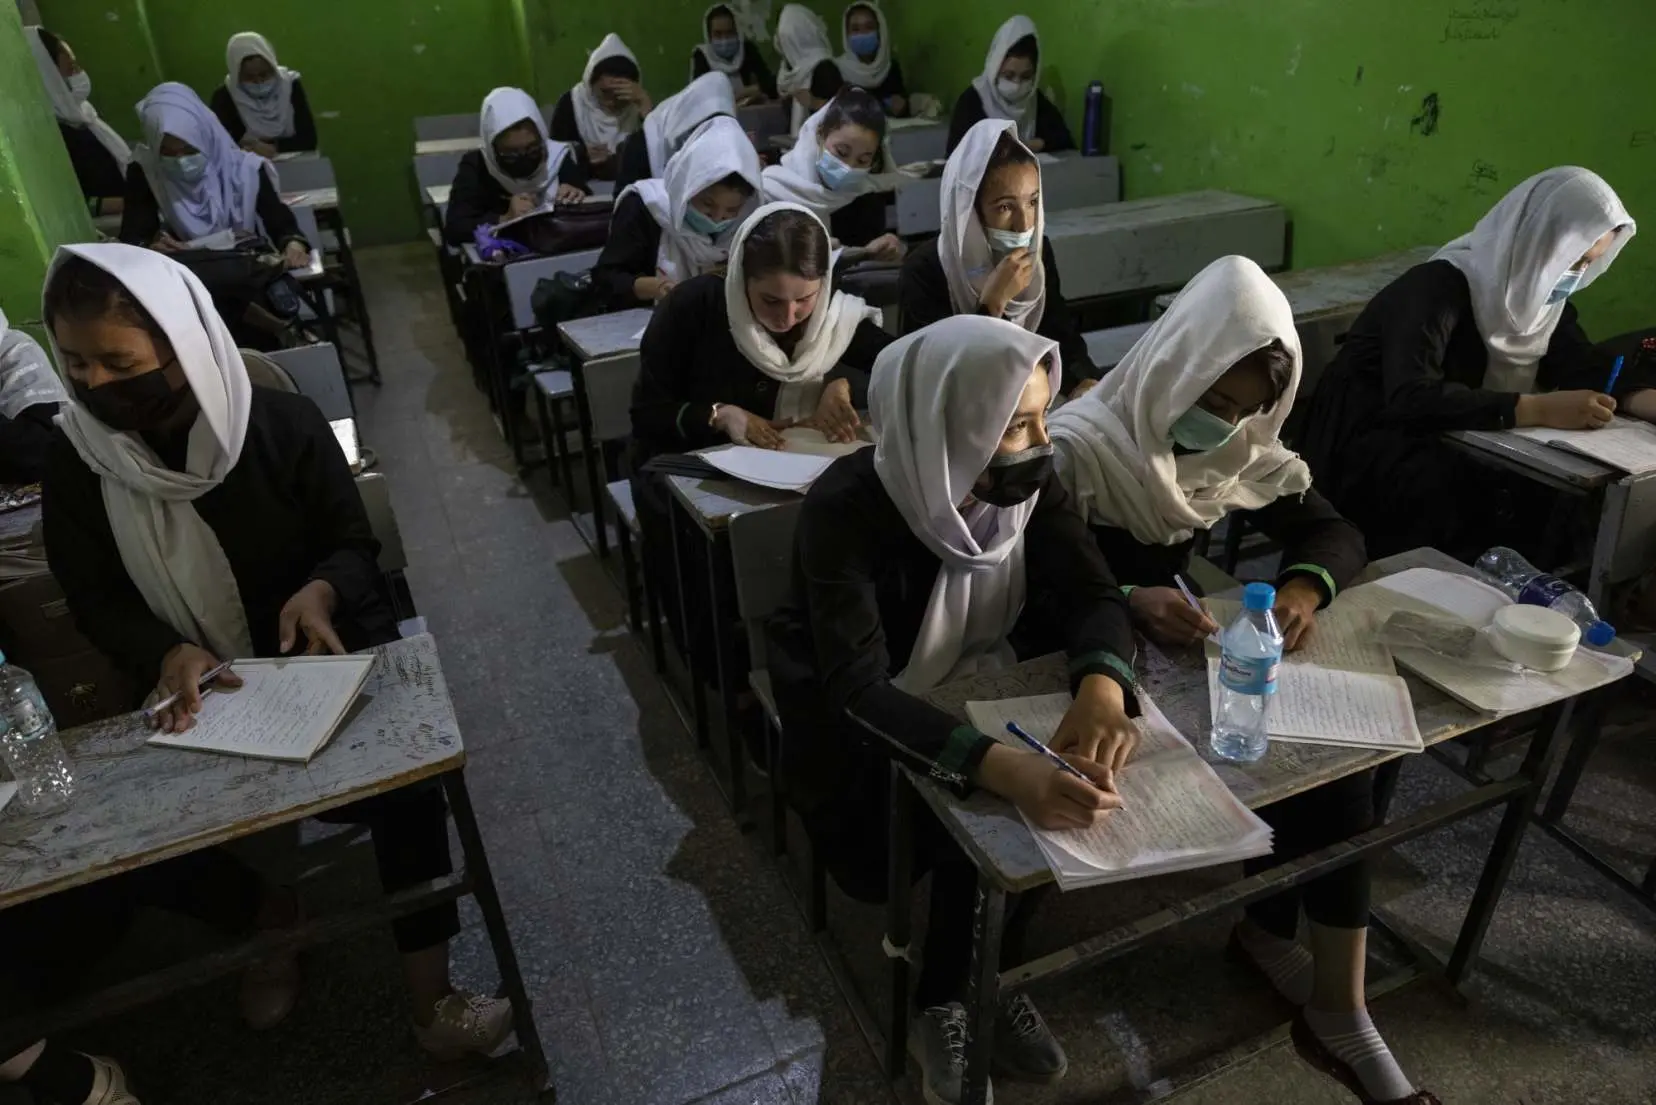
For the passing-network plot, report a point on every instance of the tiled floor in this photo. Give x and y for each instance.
(665, 959)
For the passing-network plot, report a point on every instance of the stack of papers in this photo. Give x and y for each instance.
(284, 709)
(1627, 443)
(1341, 689)
(800, 439)
(1175, 813)
(773, 468)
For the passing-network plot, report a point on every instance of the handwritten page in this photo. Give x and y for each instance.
(1176, 813)
(1627, 443)
(284, 709)
(1345, 638)
(782, 470)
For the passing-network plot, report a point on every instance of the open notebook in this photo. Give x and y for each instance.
(285, 709)
(1627, 443)
(1176, 813)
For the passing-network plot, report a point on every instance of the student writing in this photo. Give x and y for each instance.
(867, 61)
(262, 103)
(918, 562)
(669, 230)
(645, 154)
(830, 170)
(606, 105)
(1010, 88)
(517, 170)
(99, 155)
(992, 256)
(1481, 337)
(724, 50)
(1180, 434)
(807, 74)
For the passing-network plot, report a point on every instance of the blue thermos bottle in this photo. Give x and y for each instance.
(1095, 135)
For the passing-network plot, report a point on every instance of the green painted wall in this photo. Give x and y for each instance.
(40, 203)
(111, 37)
(1318, 105)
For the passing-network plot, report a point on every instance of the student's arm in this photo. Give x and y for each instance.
(1058, 323)
(279, 221)
(96, 170)
(336, 522)
(841, 553)
(25, 442)
(628, 257)
(968, 112)
(632, 161)
(856, 364)
(698, 64)
(860, 221)
(1414, 339)
(304, 124)
(664, 418)
(572, 172)
(922, 289)
(1050, 127)
(893, 88)
(1315, 540)
(140, 214)
(473, 200)
(756, 70)
(563, 128)
(82, 554)
(225, 108)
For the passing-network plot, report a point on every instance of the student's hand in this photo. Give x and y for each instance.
(896, 106)
(745, 428)
(1036, 145)
(521, 204)
(1166, 618)
(835, 416)
(296, 255)
(1051, 798)
(1011, 276)
(1096, 727)
(310, 611)
(1639, 404)
(750, 94)
(1296, 611)
(1082, 388)
(887, 247)
(1566, 410)
(166, 243)
(599, 155)
(181, 670)
(635, 95)
(568, 193)
(652, 289)
(254, 145)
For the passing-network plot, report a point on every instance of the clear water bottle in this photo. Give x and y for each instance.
(1251, 652)
(1523, 582)
(30, 743)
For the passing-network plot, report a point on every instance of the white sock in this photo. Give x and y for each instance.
(1285, 962)
(1353, 1039)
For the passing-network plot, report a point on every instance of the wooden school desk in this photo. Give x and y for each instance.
(1068, 181)
(994, 837)
(135, 805)
(914, 140)
(317, 206)
(462, 144)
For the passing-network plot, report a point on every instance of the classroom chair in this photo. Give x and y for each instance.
(643, 601)
(436, 128)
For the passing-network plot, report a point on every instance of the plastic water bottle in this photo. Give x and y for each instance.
(1094, 141)
(30, 743)
(1523, 582)
(1251, 652)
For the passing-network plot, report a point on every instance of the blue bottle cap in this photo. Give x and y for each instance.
(1599, 634)
(1258, 596)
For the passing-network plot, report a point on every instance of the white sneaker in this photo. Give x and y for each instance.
(109, 1085)
(466, 1024)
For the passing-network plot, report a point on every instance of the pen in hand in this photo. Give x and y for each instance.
(1036, 746)
(204, 684)
(1194, 605)
(1615, 374)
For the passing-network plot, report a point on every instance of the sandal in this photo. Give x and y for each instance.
(1317, 1055)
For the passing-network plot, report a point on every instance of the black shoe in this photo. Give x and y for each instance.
(1025, 1048)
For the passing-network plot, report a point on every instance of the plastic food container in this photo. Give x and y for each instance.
(1534, 636)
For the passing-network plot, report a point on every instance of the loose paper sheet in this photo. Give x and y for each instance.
(778, 469)
(284, 709)
(802, 439)
(1627, 443)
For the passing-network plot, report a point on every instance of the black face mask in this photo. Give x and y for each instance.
(1014, 478)
(522, 164)
(137, 403)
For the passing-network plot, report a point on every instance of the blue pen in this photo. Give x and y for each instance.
(1615, 371)
(1037, 746)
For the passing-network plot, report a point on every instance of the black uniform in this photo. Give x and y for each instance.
(303, 138)
(96, 169)
(923, 295)
(629, 252)
(1050, 127)
(563, 128)
(892, 86)
(477, 199)
(141, 218)
(754, 71)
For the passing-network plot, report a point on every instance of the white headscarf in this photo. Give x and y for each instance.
(828, 332)
(227, 197)
(864, 74)
(964, 248)
(731, 69)
(266, 117)
(172, 555)
(1115, 444)
(673, 120)
(70, 108)
(1515, 255)
(26, 376)
(718, 148)
(802, 40)
(503, 109)
(940, 400)
(996, 106)
(597, 126)
(796, 180)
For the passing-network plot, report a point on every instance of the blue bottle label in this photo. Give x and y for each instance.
(1246, 675)
(1543, 590)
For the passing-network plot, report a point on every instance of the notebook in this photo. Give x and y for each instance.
(1176, 813)
(285, 709)
(773, 468)
(1627, 443)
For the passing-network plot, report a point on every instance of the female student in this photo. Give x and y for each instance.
(29, 397)
(725, 51)
(188, 181)
(808, 66)
(607, 105)
(1010, 88)
(669, 230)
(1481, 337)
(191, 517)
(100, 156)
(518, 168)
(1178, 435)
(987, 260)
(914, 562)
(645, 154)
(867, 62)
(260, 103)
(829, 170)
